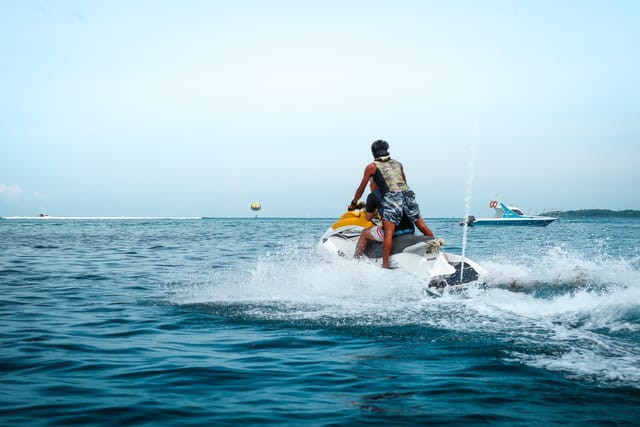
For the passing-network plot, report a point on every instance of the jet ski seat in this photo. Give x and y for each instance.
(400, 243)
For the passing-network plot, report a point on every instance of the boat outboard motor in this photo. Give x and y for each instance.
(469, 221)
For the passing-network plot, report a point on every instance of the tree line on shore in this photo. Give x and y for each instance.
(594, 213)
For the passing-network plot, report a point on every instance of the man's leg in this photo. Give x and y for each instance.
(389, 228)
(362, 242)
(422, 226)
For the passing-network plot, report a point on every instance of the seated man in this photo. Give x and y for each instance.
(376, 233)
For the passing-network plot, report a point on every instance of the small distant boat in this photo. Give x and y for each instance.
(43, 215)
(508, 215)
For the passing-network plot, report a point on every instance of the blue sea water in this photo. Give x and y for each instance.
(236, 322)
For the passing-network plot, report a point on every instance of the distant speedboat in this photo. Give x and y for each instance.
(508, 215)
(43, 215)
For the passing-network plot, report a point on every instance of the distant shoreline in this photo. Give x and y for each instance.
(594, 213)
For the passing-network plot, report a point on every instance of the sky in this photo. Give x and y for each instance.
(199, 108)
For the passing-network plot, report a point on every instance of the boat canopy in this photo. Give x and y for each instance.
(508, 212)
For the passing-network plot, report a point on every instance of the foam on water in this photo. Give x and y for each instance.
(562, 312)
(467, 198)
(563, 271)
(571, 314)
(292, 279)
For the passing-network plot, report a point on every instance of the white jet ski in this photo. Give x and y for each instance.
(419, 255)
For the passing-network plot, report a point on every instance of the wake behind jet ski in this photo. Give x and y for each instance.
(418, 255)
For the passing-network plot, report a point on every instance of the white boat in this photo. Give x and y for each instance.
(418, 255)
(508, 215)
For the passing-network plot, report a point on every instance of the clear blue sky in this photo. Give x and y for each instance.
(198, 108)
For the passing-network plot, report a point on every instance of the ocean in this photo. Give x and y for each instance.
(227, 322)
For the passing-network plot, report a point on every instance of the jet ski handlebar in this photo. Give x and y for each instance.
(359, 205)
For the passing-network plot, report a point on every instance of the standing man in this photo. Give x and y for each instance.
(398, 199)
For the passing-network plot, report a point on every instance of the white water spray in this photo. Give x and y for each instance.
(467, 201)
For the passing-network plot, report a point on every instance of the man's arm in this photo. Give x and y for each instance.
(368, 173)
